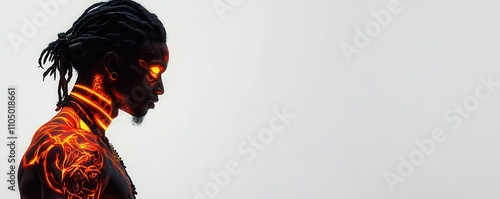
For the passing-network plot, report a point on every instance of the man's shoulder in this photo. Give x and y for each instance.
(56, 140)
(57, 133)
(64, 155)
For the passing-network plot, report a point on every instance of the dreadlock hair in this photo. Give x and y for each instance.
(104, 26)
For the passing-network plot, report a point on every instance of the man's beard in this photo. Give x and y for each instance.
(137, 121)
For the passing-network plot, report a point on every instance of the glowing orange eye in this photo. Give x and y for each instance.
(155, 70)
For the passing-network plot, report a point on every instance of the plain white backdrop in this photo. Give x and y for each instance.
(229, 70)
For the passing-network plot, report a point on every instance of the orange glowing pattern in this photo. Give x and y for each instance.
(154, 70)
(73, 161)
(97, 87)
(72, 157)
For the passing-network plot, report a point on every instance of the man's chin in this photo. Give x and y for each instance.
(136, 112)
(138, 117)
(137, 121)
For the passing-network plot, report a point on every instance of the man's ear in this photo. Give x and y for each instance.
(110, 62)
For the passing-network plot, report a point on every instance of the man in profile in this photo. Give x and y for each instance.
(119, 50)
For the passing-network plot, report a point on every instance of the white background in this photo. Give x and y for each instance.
(353, 120)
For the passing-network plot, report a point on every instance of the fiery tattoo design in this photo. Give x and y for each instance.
(153, 70)
(70, 159)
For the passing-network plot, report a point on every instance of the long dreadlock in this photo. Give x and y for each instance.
(114, 24)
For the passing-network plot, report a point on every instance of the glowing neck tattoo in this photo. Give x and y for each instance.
(94, 108)
(96, 103)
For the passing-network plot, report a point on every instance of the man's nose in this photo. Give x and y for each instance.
(159, 90)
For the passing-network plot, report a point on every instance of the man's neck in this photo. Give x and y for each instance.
(96, 101)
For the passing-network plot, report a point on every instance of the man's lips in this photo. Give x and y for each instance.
(151, 103)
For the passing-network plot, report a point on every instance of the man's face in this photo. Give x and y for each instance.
(139, 81)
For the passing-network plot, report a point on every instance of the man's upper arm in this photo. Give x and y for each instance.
(75, 167)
